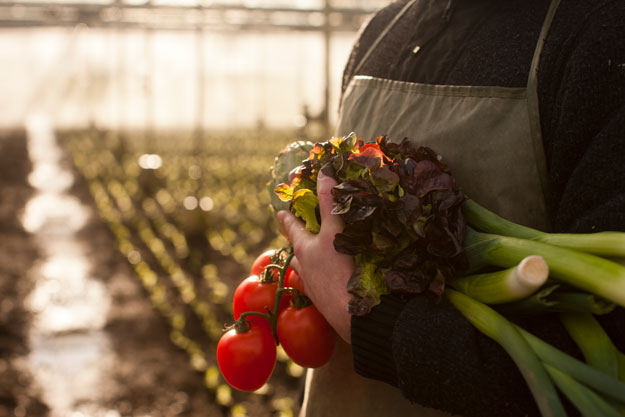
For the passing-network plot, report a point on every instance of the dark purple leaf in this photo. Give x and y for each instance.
(384, 179)
(401, 208)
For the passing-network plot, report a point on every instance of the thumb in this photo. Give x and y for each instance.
(294, 229)
(330, 223)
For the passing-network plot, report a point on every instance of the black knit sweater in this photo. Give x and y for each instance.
(425, 347)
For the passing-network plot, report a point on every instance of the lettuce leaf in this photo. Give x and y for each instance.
(285, 162)
(401, 208)
(366, 285)
(305, 205)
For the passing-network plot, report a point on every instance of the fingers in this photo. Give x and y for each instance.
(281, 228)
(295, 265)
(330, 223)
(294, 229)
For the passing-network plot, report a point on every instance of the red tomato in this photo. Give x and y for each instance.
(262, 261)
(293, 280)
(247, 359)
(306, 336)
(253, 295)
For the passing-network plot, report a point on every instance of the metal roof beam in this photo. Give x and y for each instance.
(149, 16)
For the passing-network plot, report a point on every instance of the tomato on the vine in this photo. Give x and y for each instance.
(293, 280)
(254, 295)
(262, 261)
(247, 359)
(306, 336)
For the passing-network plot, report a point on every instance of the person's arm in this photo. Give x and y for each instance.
(439, 360)
(424, 347)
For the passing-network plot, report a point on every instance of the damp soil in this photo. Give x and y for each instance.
(18, 395)
(148, 375)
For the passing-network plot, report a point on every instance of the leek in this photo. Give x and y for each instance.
(588, 272)
(610, 244)
(495, 326)
(537, 303)
(580, 371)
(550, 300)
(507, 285)
(539, 362)
(592, 340)
(584, 399)
(579, 302)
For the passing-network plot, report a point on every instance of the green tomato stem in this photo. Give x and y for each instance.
(291, 289)
(299, 300)
(266, 277)
(242, 325)
(274, 314)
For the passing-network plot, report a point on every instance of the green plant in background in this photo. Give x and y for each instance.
(189, 225)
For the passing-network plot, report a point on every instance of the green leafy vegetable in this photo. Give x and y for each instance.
(367, 284)
(304, 205)
(402, 213)
(289, 158)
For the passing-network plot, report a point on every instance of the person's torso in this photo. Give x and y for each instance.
(489, 136)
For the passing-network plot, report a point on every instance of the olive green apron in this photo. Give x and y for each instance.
(490, 138)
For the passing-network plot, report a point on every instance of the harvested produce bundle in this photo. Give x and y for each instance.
(410, 230)
(403, 222)
(270, 308)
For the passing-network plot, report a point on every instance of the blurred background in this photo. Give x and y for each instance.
(135, 145)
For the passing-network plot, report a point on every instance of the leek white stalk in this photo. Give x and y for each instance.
(610, 244)
(495, 326)
(588, 272)
(507, 285)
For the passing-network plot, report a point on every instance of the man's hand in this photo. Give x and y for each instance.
(325, 271)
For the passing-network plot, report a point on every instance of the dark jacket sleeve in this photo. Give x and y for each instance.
(582, 107)
(424, 346)
(439, 360)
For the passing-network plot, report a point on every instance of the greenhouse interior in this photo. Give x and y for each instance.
(136, 142)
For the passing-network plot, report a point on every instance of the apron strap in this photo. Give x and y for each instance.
(532, 86)
(382, 35)
(533, 108)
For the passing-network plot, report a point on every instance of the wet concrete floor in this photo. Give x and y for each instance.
(69, 350)
(78, 338)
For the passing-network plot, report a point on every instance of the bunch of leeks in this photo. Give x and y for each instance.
(576, 276)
